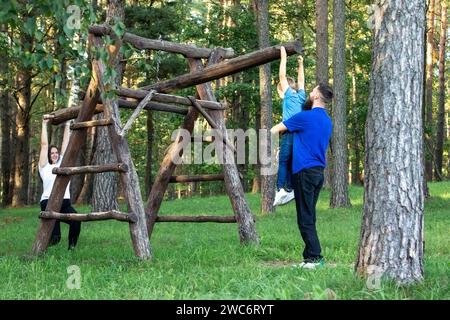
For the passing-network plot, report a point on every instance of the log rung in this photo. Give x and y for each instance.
(197, 178)
(218, 219)
(93, 216)
(89, 124)
(67, 171)
(202, 139)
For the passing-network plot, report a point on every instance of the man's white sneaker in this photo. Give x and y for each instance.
(287, 198)
(309, 265)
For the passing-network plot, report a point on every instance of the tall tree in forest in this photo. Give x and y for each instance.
(24, 104)
(5, 121)
(104, 197)
(265, 91)
(150, 150)
(322, 41)
(440, 134)
(322, 65)
(391, 241)
(339, 174)
(430, 48)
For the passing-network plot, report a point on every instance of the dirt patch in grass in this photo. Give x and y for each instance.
(279, 263)
(290, 263)
(10, 219)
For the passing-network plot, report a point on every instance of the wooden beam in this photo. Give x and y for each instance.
(197, 178)
(241, 209)
(68, 171)
(93, 216)
(66, 114)
(218, 219)
(150, 44)
(135, 114)
(167, 98)
(89, 124)
(225, 68)
(155, 106)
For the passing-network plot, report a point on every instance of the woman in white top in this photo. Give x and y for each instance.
(50, 158)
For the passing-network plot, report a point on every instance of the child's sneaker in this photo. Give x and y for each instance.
(279, 197)
(287, 198)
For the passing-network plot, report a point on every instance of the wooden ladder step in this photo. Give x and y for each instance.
(202, 139)
(67, 171)
(89, 124)
(218, 219)
(197, 178)
(93, 216)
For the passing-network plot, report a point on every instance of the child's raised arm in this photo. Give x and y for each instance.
(301, 74)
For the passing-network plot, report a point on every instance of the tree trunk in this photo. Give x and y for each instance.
(106, 184)
(5, 130)
(429, 93)
(256, 185)
(426, 191)
(322, 66)
(440, 133)
(148, 167)
(265, 92)
(244, 118)
(22, 156)
(104, 196)
(322, 41)
(12, 149)
(88, 185)
(32, 173)
(5, 145)
(355, 135)
(339, 188)
(391, 242)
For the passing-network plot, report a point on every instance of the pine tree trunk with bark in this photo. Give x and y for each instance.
(429, 92)
(22, 145)
(322, 67)
(440, 132)
(5, 125)
(148, 167)
(339, 182)
(391, 241)
(106, 184)
(265, 92)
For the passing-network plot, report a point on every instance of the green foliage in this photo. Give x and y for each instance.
(206, 261)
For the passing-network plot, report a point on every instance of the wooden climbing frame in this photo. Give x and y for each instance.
(154, 97)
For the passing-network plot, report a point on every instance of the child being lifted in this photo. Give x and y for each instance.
(293, 98)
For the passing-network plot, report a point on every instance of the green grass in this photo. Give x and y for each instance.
(206, 261)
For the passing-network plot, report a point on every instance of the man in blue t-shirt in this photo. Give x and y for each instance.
(293, 96)
(312, 132)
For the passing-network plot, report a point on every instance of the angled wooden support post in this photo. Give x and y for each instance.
(76, 139)
(166, 170)
(242, 212)
(212, 123)
(135, 114)
(129, 179)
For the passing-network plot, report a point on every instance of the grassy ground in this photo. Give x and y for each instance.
(206, 261)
